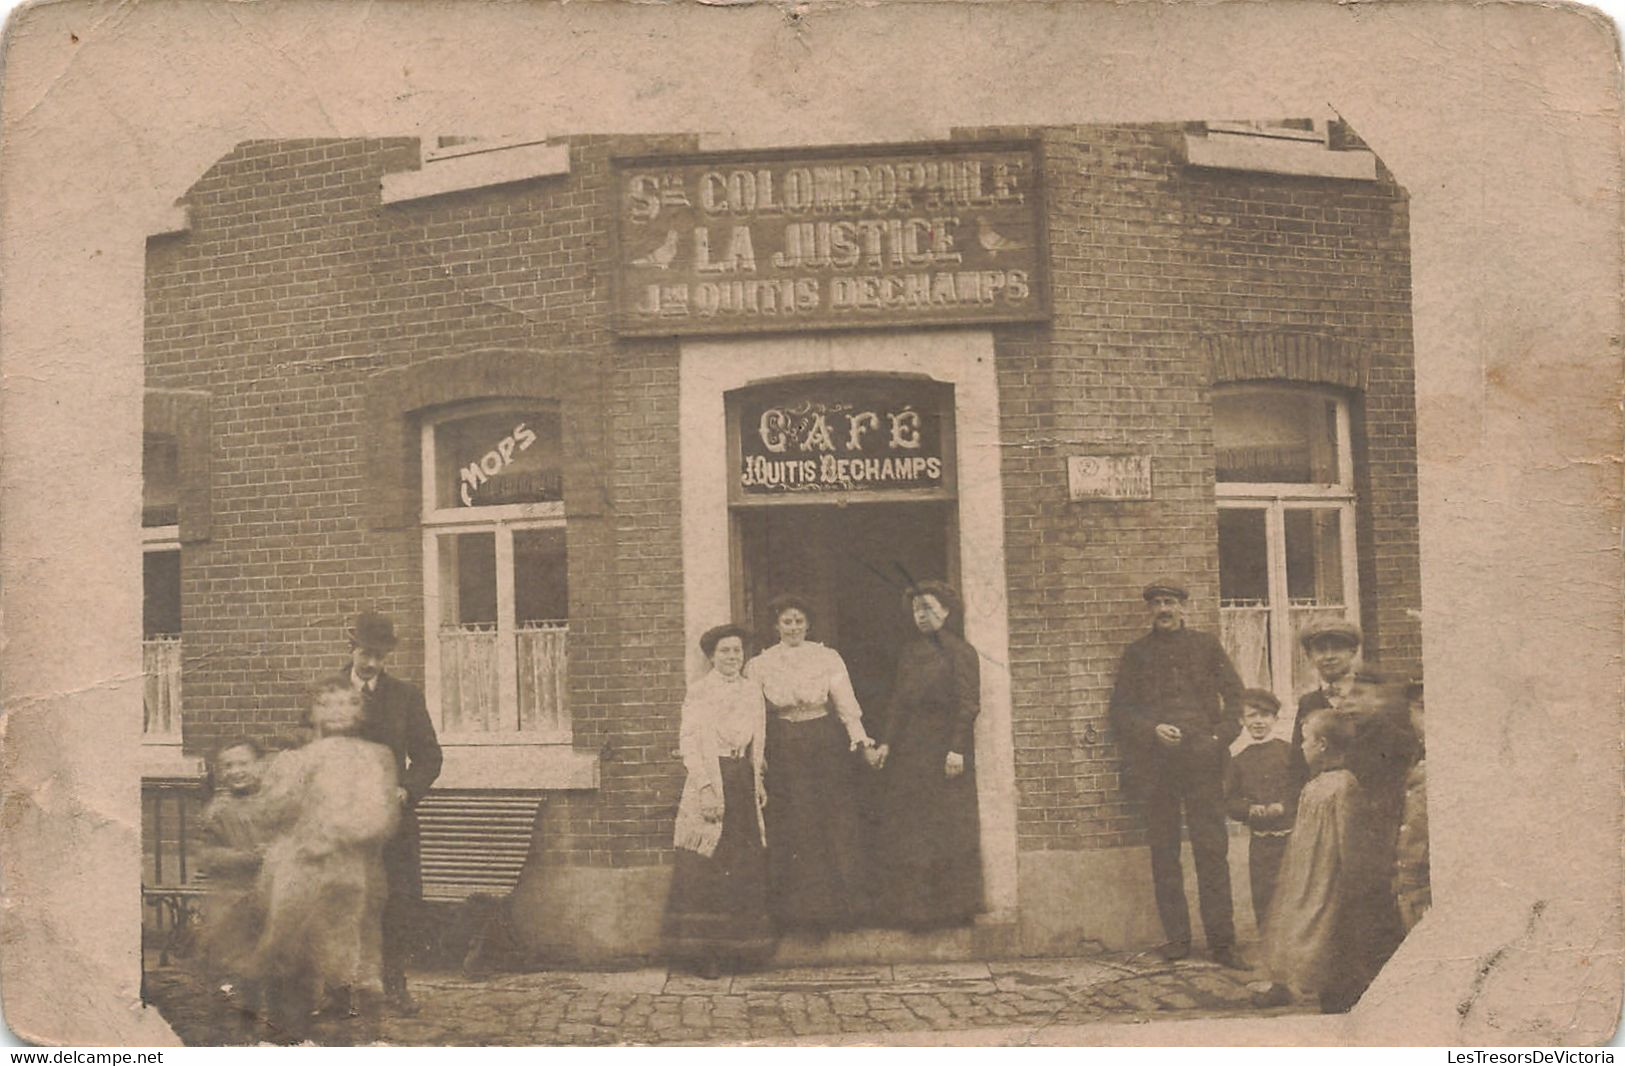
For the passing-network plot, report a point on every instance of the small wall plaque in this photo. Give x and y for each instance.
(1108, 477)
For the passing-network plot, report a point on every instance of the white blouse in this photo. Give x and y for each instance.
(731, 708)
(721, 718)
(809, 673)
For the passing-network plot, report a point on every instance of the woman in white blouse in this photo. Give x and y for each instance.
(814, 725)
(716, 914)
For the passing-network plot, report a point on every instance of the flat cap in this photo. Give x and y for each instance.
(1330, 631)
(1165, 587)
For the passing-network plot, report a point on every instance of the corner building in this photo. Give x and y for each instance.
(558, 407)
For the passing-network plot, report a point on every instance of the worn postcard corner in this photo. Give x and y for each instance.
(919, 523)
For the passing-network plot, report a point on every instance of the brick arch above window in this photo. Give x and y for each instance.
(397, 397)
(1309, 358)
(185, 416)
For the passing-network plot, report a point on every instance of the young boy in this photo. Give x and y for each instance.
(1259, 791)
(1314, 935)
(233, 847)
(1332, 645)
(335, 805)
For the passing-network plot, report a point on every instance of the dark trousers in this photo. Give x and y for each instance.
(1197, 800)
(1264, 854)
(402, 907)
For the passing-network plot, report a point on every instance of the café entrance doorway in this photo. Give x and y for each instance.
(852, 564)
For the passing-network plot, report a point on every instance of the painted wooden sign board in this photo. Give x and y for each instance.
(829, 239)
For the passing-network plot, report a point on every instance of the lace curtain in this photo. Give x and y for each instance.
(161, 662)
(470, 700)
(542, 676)
(468, 680)
(1245, 632)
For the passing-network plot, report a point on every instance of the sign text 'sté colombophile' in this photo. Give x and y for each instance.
(743, 243)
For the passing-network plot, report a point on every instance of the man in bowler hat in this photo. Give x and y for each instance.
(394, 715)
(1176, 709)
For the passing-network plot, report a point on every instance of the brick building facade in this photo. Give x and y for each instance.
(1227, 306)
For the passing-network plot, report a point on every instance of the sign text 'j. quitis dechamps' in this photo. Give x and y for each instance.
(838, 439)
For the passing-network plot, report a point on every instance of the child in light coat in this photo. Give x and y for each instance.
(333, 803)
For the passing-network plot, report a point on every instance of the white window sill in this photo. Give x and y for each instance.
(476, 170)
(163, 758)
(1270, 155)
(517, 766)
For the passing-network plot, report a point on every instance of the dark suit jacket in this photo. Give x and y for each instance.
(1185, 679)
(397, 718)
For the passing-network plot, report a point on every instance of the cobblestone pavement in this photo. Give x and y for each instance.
(652, 1006)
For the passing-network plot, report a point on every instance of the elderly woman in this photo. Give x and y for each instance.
(716, 914)
(815, 874)
(931, 873)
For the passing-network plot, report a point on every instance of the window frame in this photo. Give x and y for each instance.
(1275, 499)
(156, 540)
(502, 521)
(1319, 131)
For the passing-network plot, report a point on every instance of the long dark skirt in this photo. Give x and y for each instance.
(929, 837)
(717, 910)
(815, 862)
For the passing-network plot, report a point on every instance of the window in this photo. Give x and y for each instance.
(1286, 526)
(495, 574)
(1312, 130)
(161, 586)
(160, 481)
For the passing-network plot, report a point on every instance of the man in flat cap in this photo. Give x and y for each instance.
(395, 715)
(1176, 710)
(1332, 644)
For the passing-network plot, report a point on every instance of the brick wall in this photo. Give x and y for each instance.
(319, 322)
(1150, 261)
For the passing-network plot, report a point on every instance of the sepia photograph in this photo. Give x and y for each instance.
(949, 580)
(958, 580)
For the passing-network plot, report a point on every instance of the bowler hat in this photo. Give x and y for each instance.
(1166, 587)
(1330, 631)
(373, 630)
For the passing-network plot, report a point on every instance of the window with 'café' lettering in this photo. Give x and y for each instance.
(495, 588)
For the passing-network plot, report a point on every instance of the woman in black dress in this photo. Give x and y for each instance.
(929, 835)
(716, 914)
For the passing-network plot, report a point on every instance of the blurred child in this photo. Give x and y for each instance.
(1385, 748)
(1313, 934)
(1260, 791)
(233, 845)
(1411, 874)
(335, 805)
